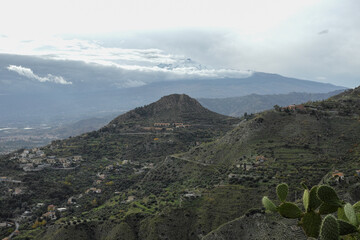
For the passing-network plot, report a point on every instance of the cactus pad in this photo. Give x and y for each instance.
(314, 201)
(341, 215)
(282, 191)
(306, 199)
(328, 195)
(326, 208)
(268, 204)
(346, 228)
(329, 228)
(289, 210)
(311, 222)
(350, 214)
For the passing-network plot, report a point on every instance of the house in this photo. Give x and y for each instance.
(37, 160)
(50, 215)
(358, 172)
(101, 176)
(71, 200)
(17, 191)
(247, 167)
(130, 199)
(23, 160)
(109, 167)
(95, 190)
(51, 207)
(26, 215)
(291, 107)
(62, 209)
(191, 195)
(260, 158)
(3, 224)
(51, 160)
(300, 107)
(338, 175)
(232, 175)
(62, 160)
(66, 164)
(77, 158)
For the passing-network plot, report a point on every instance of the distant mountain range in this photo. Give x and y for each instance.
(237, 106)
(99, 91)
(39, 135)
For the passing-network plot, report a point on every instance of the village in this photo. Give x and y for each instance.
(36, 160)
(165, 126)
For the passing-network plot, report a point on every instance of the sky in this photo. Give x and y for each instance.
(317, 40)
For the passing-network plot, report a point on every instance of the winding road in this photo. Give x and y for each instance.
(16, 228)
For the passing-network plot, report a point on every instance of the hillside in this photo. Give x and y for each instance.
(204, 180)
(254, 103)
(273, 147)
(114, 159)
(39, 135)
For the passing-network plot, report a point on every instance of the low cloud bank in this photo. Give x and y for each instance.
(27, 72)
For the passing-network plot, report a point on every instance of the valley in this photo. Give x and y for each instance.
(175, 170)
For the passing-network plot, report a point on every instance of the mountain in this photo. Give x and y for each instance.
(175, 107)
(237, 106)
(131, 144)
(203, 179)
(20, 136)
(97, 91)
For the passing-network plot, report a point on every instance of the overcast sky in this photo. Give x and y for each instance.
(308, 39)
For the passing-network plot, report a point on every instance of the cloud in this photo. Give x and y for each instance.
(27, 72)
(141, 61)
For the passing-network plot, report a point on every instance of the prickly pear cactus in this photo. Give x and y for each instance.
(268, 204)
(329, 228)
(350, 214)
(306, 199)
(282, 191)
(311, 222)
(314, 201)
(325, 199)
(289, 210)
(328, 195)
(346, 228)
(326, 208)
(341, 215)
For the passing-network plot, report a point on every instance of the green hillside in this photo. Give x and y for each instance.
(205, 180)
